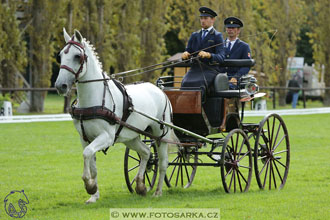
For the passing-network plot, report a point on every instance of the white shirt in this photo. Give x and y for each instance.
(231, 43)
(208, 30)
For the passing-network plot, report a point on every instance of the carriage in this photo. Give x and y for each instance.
(208, 131)
(211, 136)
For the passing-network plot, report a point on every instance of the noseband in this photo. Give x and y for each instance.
(83, 58)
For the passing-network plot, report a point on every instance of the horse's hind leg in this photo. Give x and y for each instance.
(162, 164)
(144, 152)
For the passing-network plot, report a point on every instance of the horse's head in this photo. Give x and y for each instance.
(73, 61)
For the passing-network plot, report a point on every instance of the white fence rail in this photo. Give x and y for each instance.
(67, 117)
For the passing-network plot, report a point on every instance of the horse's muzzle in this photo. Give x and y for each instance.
(62, 88)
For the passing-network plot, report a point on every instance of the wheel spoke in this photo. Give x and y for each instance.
(268, 134)
(266, 174)
(146, 174)
(186, 169)
(234, 180)
(279, 143)
(260, 158)
(240, 150)
(278, 172)
(273, 174)
(243, 156)
(230, 170)
(278, 131)
(283, 151)
(173, 169)
(134, 158)
(239, 172)
(232, 143)
(133, 181)
(270, 175)
(177, 176)
(236, 145)
(181, 171)
(264, 167)
(231, 180)
(272, 136)
(280, 163)
(133, 168)
(239, 182)
(245, 167)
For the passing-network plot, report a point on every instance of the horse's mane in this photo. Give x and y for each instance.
(94, 53)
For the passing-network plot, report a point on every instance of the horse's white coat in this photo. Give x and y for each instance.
(146, 98)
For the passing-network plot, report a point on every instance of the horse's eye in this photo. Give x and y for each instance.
(77, 57)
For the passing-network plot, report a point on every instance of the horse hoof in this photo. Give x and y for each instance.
(91, 187)
(93, 198)
(157, 194)
(142, 190)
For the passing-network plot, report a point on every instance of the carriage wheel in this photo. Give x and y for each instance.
(131, 166)
(236, 162)
(179, 173)
(272, 153)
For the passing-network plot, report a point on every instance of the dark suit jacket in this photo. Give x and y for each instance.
(195, 43)
(240, 50)
(202, 75)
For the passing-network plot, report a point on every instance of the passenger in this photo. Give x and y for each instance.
(206, 43)
(235, 49)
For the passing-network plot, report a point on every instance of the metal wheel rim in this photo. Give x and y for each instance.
(183, 174)
(272, 159)
(150, 178)
(236, 162)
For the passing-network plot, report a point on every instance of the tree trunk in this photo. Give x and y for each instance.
(67, 99)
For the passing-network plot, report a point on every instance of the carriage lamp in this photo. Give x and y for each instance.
(251, 88)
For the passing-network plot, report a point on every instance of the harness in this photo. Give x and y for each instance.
(102, 112)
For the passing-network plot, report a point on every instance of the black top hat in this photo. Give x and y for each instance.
(233, 22)
(207, 12)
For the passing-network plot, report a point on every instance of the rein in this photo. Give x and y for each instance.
(179, 61)
(83, 58)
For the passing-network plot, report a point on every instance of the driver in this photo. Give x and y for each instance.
(206, 43)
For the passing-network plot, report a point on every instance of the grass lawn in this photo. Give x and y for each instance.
(45, 159)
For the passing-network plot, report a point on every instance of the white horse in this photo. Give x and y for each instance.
(79, 63)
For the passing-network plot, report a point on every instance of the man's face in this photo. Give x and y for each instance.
(206, 22)
(232, 32)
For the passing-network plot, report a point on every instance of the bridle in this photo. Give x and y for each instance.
(83, 58)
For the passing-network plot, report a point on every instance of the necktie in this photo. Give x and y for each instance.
(229, 46)
(204, 34)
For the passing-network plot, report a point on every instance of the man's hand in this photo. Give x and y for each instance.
(185, 55)
(204, 54)
(233, 81)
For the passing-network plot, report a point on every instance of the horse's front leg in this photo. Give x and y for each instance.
(144, 152)
(90, 172)
(94, 197)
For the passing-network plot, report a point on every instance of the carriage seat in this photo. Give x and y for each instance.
(221, 88)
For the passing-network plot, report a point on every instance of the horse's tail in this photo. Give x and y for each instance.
(175, 142)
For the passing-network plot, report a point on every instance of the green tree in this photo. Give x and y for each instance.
(41, 50)
(152, 31)
(321, 44)
(12, 47)
(287, 17)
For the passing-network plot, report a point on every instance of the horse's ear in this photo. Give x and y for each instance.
(66, 35)
(78, 36)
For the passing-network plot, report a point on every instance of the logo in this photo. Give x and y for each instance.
(15, 204)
